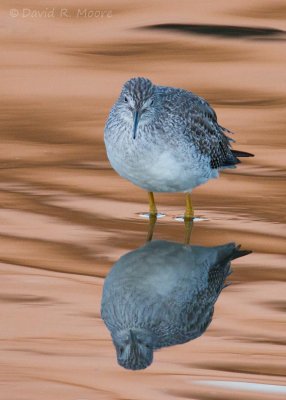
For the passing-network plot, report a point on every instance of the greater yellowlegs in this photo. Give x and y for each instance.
(165, 139)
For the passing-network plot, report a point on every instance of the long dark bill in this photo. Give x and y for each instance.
(136, 120)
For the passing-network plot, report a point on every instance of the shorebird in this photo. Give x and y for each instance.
(163, 294)
(165, 139)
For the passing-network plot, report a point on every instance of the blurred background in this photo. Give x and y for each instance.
(66, 217)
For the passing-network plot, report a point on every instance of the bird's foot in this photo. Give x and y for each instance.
(153, 212)
(189, 216)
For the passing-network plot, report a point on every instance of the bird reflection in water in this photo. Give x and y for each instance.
(163, 294)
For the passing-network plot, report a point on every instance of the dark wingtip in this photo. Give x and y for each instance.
(237, 253)
(238, 153)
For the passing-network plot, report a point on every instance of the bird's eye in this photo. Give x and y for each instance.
(152, 102)
(121, 349)
(125, 99)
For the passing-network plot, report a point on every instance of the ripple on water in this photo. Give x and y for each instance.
(66, 217)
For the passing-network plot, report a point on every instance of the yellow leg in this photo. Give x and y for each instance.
(188, 229)
(152, 205)
(152, 223)
(189, 213)
(189, 216)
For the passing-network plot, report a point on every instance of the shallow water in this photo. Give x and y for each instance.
(66, 217)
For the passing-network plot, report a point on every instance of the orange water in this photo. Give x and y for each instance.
(66, 217)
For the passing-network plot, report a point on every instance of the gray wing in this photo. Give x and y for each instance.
(199, 312)
(192, 321)
(208, 136)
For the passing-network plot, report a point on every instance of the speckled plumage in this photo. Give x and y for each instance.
(179, 143)
(165, 291)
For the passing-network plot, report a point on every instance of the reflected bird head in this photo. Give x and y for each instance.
(134, 348)
(138, 102)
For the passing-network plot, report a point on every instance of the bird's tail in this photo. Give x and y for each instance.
(233, 158)
(238, 153)
(237, 253)
(225, 264)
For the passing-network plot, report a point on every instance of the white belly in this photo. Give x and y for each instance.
(166, 173)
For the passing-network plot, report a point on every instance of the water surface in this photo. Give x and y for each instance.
(66, 217)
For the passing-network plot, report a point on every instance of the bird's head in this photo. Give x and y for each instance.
(138, 102)
(134, 348)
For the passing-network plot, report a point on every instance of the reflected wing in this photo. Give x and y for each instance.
(201, 309)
